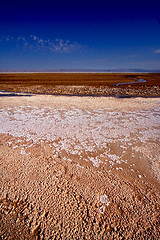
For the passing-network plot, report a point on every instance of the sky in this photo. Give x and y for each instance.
(95, 35)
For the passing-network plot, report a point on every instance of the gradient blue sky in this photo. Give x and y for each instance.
(48, 35)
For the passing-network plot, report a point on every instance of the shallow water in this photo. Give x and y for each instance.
(137, 81)
(13, 94)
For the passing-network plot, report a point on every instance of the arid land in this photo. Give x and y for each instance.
(79, 167)
(99, 84)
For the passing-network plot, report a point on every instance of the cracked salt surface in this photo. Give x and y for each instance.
(103, 199)
(23, 152)
(80, 134)
(102, 209)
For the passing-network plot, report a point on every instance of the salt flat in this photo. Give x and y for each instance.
(82, 143)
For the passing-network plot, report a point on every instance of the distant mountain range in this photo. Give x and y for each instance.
(89, 70)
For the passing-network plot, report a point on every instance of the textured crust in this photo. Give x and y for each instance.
(79, 168)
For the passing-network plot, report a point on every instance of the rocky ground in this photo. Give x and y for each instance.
(79, 168)
(83, 84)
(128, 91)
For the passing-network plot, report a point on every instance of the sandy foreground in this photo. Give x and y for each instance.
(79, 167)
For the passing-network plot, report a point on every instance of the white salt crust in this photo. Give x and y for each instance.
(75, 133)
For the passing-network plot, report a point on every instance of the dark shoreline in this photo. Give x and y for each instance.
(24, 94)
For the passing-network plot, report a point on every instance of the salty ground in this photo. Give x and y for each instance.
(79, 167)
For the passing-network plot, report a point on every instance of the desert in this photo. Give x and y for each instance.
(79, 156)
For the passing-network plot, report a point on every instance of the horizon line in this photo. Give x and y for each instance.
(81, 70)
(84, 72)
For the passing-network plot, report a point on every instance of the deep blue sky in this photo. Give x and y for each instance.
(48, 35)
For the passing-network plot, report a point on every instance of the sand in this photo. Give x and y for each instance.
(79, 167)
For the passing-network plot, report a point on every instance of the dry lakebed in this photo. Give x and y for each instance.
(79, 167)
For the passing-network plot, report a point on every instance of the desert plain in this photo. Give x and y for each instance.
(79, 156)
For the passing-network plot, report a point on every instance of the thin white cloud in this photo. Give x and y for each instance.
(157, 51)
(21, 38)
(34, 42)
(26, 44)
(60, 45)
(9, 38)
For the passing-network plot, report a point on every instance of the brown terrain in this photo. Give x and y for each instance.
(79, 167)
(100, 84)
